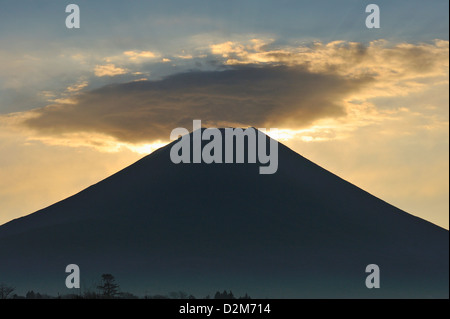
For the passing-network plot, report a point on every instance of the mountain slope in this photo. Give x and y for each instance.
(159, 227)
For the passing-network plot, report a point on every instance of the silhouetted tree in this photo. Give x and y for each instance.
(5, 291)
(90, 294)
(224, 295)
(108, 287)
(30, 295)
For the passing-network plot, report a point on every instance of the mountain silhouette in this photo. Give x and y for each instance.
(157, 226)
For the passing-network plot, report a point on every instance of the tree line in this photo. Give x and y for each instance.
(108, 288)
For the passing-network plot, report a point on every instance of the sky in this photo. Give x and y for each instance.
(370, 105)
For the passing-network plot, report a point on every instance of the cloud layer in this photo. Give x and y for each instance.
(263, 96)
(254, 84)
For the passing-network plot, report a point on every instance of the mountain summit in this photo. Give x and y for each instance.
(157, 226)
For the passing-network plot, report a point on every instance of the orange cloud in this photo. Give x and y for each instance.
(135, 55)
(108, 70)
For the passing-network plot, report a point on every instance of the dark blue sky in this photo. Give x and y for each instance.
(105, 22)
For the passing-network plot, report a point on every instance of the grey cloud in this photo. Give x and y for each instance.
(268, 96)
